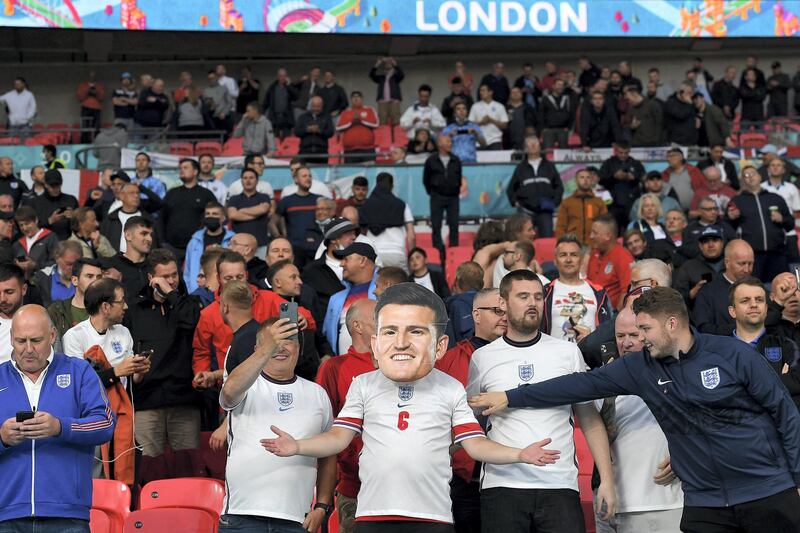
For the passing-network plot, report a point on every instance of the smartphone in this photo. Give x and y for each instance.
(707, 277)
(22, 416)
(797, 275)
(61, 209)
(21, 258)
(289, 310)
(147, 354)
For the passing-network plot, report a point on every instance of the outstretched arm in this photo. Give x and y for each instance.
(487, 451)
(595, 432)
(323, 445)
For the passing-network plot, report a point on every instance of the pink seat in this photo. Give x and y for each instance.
(172, 520)
(100, 522)
(112, 498)
(204, 494)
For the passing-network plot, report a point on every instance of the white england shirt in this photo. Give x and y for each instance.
(638, 449)
(259, 483)
(503, 365)
(116, 342)
(407, 429)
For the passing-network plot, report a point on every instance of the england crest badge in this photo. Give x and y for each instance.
(117, 346)
(285, 399)
(525, 372)
(710, 377)
(405, 392)
(63, 380)
(773, 353)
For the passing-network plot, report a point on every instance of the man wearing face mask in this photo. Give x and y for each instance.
(250, 210)
(213, 232)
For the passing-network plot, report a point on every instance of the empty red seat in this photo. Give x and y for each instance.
(208, 147)
(204, 494)
(170, 521)
(181, 148)
(336, 149)
(752, 140)
(455, 256)
(61, 129)
(100, 522)
(383, 137)
(233, 146)
(112, 498)
(400, 137)
(545, 249)
(289, 146)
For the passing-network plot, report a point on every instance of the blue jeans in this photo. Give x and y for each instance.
(44, 525)
(257, 524)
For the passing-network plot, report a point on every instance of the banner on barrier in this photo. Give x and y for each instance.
(541, 18)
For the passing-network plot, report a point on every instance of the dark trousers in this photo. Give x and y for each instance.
(90, 118)
(440, 204)
(399, 526)
(779, 513)
(466, 505)
(528, 510)
(767, 265)
(551, 136)
(44, 525)
(543, 222)
(257, 524)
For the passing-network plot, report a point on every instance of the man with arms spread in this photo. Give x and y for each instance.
(710, 395)
(408, 414)
(518, 498)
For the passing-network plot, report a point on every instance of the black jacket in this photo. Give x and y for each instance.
(151, 114)
(725, 94)
(111, 229)
(283, 118)
(441, 181)
(730, 169)
(599, 130)
(535, 192)
(317, 142)
(624, 192)
(679, 119)
(779, 351)
(689, 248)
(752, 102)
(45, 205)
(754, 223)
(133, 274)
(710, 313)
(379, 77)
(257, 272)
(499, 87)
(691, 272)
(334, 99)
(168, 330)
(556, 111)
(322, 279)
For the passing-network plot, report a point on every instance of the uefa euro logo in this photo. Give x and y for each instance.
(405, 392)
(710, 377)
(285, 398)
(525, 372)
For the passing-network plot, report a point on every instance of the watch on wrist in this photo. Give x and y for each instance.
(328, 508)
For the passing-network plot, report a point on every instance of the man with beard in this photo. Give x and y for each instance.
(12, 291)
(489, 318)
(409, 414)
(184, 208)
(249, 211)
(710, 395)
(519, 498)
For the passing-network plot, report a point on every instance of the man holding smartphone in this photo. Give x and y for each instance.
(697, 272)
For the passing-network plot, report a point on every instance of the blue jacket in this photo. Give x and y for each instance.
(53, 476)
(330, 327)
(460, 324)
(194, 251)
(732, 427)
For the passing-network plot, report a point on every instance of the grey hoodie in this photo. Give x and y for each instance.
(258, 136)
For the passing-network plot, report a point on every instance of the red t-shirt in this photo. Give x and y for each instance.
(611, 271)
(335, 376)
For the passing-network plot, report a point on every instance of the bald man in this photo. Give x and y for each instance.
(711, 305)
(649, 495)
(335, 376)
(247, 245)
(314, 129)
(57, 396)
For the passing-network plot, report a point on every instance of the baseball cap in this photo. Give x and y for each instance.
(711, 232)
(360, 248)
(126, 75)
(53, 177)
(122, 175)
(337, 227)
(768, 149)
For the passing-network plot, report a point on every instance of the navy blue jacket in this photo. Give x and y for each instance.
(460, 325)
(732, 428)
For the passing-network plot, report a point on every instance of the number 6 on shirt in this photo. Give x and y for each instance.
(402, 420)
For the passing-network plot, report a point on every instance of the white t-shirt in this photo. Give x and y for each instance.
(335, 265)
(493, 109)
(500, 366)
(576, 301)
(116, 342)
(407, 429)
(425, 281)
(500, 272)
(262, 186)
(391, 241)
(5, 340)
(317, 187)
(220, 190)
(639, 448)
(123, 218)
(260, 483)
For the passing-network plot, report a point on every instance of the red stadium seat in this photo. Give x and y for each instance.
(112, 498)
(75, 134)
(100, 522)
(585, 468)
(214, 461)
(208, 147)
(383, 137)
(233, 146)
(170, 521)
(400, 137)
(752, 140)
(61, 129)
(455, 256)
(289, 146)
(203, 494)
(574, 141)
(181, 148)
(333, 522)
(425, 239)
(336, 148)
(545, 249)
